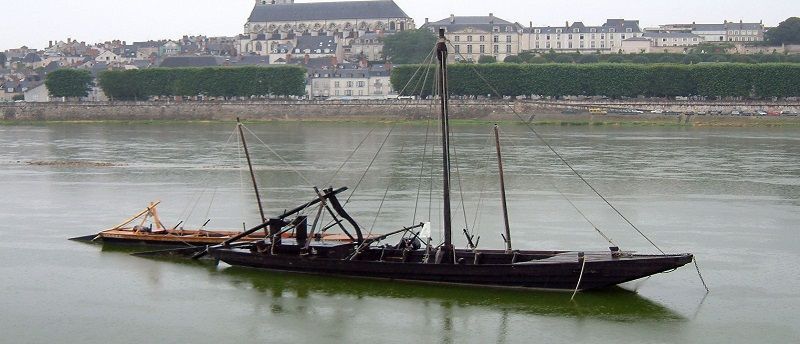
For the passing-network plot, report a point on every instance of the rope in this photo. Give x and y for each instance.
(699, 274)
(383, 200)
(353, 153)
(580, 277)
(563, 160)
(277, 155)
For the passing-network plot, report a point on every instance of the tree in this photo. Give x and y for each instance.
(486, 59)
(69, 83)
(589, 59)
(410, 46)
(512, 59)
(3, 59)
(562, 58)
(616, 59)
(787, 32)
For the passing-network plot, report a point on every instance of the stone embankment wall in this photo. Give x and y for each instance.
(532, 111)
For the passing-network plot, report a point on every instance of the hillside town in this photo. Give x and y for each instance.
(341, 45)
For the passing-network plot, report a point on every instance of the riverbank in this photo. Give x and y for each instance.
(674, 113)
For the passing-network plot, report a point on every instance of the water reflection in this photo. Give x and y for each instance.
(611, 304)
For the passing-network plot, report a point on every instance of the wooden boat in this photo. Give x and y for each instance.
(140, 234)
(415, 259)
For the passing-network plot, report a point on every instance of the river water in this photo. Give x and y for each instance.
(729, 195)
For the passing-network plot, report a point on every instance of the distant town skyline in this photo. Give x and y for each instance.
(95, 21)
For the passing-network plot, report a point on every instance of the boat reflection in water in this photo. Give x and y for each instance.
(610, 304)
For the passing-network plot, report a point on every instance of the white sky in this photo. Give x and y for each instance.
(34, 22)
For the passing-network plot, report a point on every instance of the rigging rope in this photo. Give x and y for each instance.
(563, 160)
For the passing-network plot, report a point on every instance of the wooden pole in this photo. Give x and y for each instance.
(252, 174)
(502, 188)
(441, 54)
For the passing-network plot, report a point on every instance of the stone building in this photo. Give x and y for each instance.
(476, 36)
(606, 38)
(673, 39)
(274, 23)
(722, 32)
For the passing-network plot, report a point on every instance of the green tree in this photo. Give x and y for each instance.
(410, 46)
(484, 59)
(69, 83)
(512, 59)
(563, 58)
(616, 59)
(787, 32)
(592, 58)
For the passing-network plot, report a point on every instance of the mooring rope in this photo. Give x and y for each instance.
(580, 277)
(699, 274)
(564, 160)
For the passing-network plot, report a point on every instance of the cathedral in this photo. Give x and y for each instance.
(283, 29)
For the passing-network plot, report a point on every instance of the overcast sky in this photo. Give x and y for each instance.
(34, 22)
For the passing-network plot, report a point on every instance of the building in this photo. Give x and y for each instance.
(273, 22)
(673, 39)
(350, 81)
(476, 36)
(606, 38)
(723, 32)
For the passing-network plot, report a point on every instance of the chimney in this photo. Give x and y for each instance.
(69, 40)
(491, 18)
(452, 18)
(50, 44)
(426, 20)
(567, 25)
(531, 24)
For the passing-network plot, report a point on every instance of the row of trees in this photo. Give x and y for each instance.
(213, 82)
(787, 32)
(611, 80)
(692, 58)
(70, 83)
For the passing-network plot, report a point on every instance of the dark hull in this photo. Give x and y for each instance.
(560, 271)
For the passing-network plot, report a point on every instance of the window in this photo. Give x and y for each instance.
(496, 39)
(469, 49)
(360, 92)
(496, 29)
(482, 38)
(508, 29)
(458, 49)
(592, 36)
(469, 38)
(336, 93)
(483, 48)
(336, 84)
(360, 84)
(623, 36)
(602, 44)
(629, 30)
(602, 36)
(581, 37)
(548, 45)
(547, 37)
(537, 30)
(592, 30)
(537, 45)
(496, 49)
(348, 92)
(349, 84)
(569, 44)
(508, 39)
(508, 48)
(558, 30)
(458, 39)
(558, 45)
(569, 36)
(581, 44)
(592, 44)
(612, 30)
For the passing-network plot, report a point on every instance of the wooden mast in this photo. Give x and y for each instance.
(507, 237)
(441, 54)
(252, 174)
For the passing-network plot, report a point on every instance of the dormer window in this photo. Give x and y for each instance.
(628, 30)
(496, 29)
(537, 30)
(575, 30)
(612, 30)
(558, 30)
(592, 30)
(508, 29)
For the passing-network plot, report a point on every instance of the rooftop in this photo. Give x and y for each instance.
(326, 11)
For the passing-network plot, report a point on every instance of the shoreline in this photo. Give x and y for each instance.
(561, 113)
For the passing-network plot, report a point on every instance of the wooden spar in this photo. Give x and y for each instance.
(285, 215)
(507, 237)
(130, 219)
(441, 54)
(252, 174)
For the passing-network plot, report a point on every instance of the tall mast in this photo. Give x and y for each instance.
(507, 237)
(252, 174)
(441, 54)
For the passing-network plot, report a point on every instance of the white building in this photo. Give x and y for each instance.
(606, 38)
(350, 82)
(673, 39)
(476, 36)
